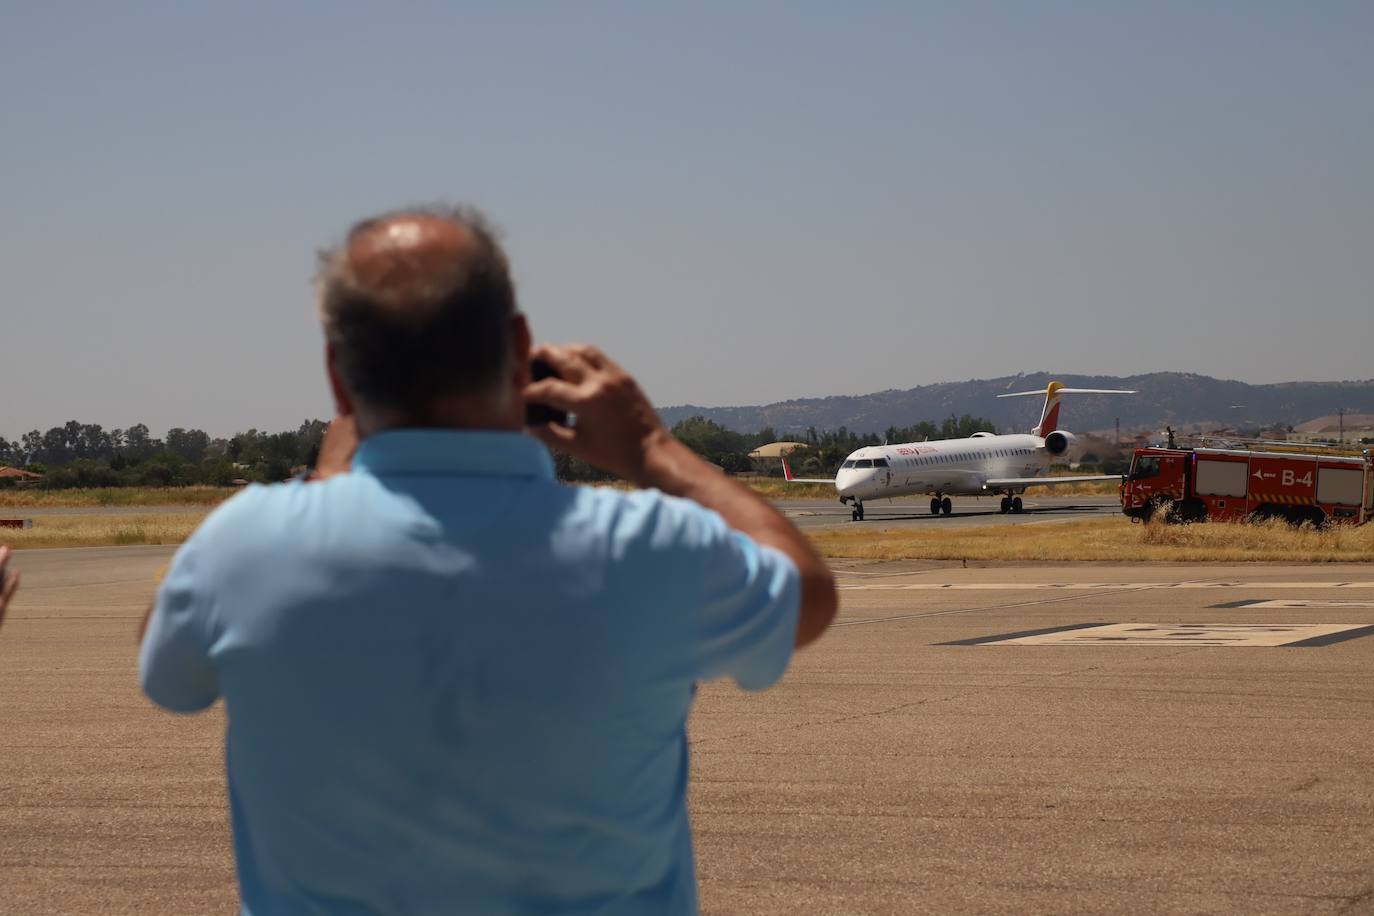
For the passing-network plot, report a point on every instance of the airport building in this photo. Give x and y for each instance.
(1351, 429)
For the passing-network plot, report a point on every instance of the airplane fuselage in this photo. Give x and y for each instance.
(949, 467)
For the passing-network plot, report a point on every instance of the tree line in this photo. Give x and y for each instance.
(87, 455)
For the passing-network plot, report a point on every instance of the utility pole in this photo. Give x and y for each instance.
(1340, 412)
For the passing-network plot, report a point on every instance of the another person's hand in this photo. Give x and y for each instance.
(615, 427)
(336, 451)
(9, 580)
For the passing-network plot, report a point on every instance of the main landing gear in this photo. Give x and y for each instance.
(1012, 504)
(940, 505)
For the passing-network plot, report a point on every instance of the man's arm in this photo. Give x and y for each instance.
(618, 430)
(336, 451)
(174, 665)
(9, 581)
(336, 457)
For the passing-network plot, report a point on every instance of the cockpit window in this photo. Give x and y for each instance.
(880, 462)
(864, 463)
(848, 464)
(1146, 466)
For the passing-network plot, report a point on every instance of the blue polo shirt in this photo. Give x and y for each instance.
(455, 685)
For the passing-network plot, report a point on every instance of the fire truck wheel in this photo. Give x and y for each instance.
(1188, 511)
(1299, 517)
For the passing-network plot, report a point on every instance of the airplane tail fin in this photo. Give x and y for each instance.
(1049, 414)
(793, 478)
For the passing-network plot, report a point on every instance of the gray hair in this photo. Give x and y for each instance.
(446, 331)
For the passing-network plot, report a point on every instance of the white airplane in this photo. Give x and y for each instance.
(984, 464)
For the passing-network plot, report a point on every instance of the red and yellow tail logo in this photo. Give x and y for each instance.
(1049, 417)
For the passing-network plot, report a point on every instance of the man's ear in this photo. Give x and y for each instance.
(343, 402)
(520, 347)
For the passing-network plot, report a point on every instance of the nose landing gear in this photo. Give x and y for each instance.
(858, 513)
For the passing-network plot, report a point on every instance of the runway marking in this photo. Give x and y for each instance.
(1090, 586)
(863, 621)
(1297, 603)
(1216, 635)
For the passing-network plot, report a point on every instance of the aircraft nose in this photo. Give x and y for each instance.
(850, 483)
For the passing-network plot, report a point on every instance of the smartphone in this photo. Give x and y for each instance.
(539, 414)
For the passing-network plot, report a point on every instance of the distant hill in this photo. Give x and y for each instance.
(1176, 398)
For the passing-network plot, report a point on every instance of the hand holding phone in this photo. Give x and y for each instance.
(539, 414)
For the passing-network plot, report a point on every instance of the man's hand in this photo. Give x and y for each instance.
(336, 451)
(618, 430)
(9, 580)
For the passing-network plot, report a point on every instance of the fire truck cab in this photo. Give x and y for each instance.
(1198, 484)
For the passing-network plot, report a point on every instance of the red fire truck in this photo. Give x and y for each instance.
(1198, 484)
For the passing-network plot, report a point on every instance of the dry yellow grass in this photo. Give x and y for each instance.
(1105, 539)
(102, 530)
(775, 488)
(115, 496)
(767, 487)
(1101, 488)
(1098, 539)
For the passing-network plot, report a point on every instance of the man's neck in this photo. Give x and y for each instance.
(457, 413)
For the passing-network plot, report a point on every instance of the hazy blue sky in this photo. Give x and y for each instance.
(742, 202)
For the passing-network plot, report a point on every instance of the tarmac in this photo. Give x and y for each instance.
(969, 511)
(900, 767)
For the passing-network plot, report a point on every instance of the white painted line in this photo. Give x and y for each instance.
(1154, 634)
(1089, 586)
(1310, 603)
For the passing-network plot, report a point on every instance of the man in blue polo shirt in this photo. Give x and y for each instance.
(453, 684)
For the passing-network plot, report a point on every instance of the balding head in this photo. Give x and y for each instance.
(417, 307)
(408, 257)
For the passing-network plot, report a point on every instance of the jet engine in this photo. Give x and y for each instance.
(1059, 442)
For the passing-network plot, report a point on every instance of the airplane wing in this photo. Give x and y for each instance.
(999, 482)
(1040, 392)
(787, 476)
